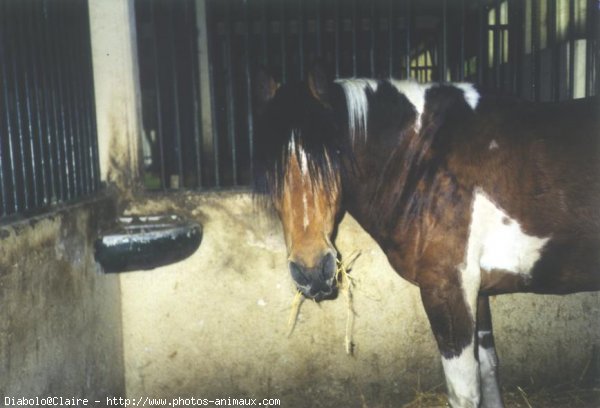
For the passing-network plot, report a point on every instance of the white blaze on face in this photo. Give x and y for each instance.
(301, 154)
(299, 151)
(305, 220)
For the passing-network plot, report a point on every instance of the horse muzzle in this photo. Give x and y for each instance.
(316, 282)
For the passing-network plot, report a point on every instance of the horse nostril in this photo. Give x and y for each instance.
(328, 268)
(298, 274)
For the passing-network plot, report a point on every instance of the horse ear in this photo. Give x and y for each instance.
(319, 83)
(265, 87)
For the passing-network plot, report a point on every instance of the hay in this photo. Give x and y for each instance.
(568, 395)
(433, 397)
(295, 310)
(345, 283)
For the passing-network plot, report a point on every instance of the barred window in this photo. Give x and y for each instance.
(48, 141)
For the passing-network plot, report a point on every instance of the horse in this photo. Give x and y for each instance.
(468, 196)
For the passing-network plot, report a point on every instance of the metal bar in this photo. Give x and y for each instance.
(66, 99)
(535, 54)
(418, 72)
(354, 39)
(337, 38)
(10, 127)
(230, 94)
(520, 40)
(265, 33)
(498, 46)
(195, 74)
(282, 44)
(82, 103)
(10, 167)
(444, 64)
(571, 89)
(554, 48)
(56, 138)
(70, 19)
(33, 109)
(213, 107)
(301, 38)
(391, 38)
(249, 90)
(318, 27)
(43, 108)
(159, 110)
(175, 87)
(596, 53)
(65, 130)
(204, 58)
(29, 145)
(17, 69)
(513, 45)
(461, 56)
(91, 102)
(481, 60)
(407, 39)
(589, 47)
(595, 23)
(71, 49)
(372, 26)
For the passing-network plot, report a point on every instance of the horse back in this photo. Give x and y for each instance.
(539, 161)
(539, 166)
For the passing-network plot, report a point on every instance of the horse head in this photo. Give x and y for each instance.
(297, 165)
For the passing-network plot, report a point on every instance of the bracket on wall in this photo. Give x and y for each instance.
(146, 242)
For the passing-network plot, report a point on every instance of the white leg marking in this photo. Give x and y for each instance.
(497, 241)
(488, 370)
(493, 145)
(462, 379)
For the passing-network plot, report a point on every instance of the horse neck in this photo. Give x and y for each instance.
(379, 188)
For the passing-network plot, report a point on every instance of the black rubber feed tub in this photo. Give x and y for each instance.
(147, 242)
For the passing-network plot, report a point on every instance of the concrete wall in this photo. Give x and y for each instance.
(215, 325)
(60, 320)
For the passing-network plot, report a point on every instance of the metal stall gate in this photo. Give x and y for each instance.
(48, 142)
(197, 58)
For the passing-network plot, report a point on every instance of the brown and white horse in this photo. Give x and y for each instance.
(467, 198)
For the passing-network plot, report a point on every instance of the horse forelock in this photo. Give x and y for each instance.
(297, 129)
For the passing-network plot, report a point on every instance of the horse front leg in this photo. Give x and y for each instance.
(488, 360)
(450, 302)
